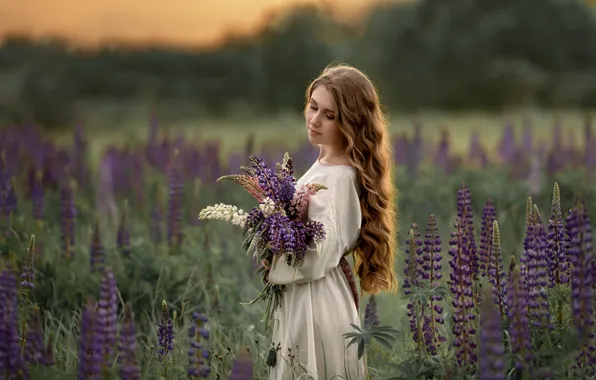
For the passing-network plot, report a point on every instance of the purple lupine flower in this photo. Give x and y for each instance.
(28, 270)
(89, 351)
(536, 275)
(176, 186)
(127, 357)
(67, 218)
(11, 363)
(10, 200)
(123, 234)
(441, 158)
(432, 272)
(37, 197)
(34, 348)
(465, 212)
(527, 144)
(198, 355)
(267, 179)
(107, 316)
(96, 251)
(558, 262)
(165, 332)
(582, 269)
(519, 328)
(242, 368)
(485, 250)
(412, 280)
(581, 272)
(371, 314)
(460, 282)
(491, 353)
(528, 243)
(496, 272)
(507, 144)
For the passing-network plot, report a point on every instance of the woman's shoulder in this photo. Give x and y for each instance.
(329, 174)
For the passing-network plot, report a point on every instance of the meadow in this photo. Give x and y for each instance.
(120, 263)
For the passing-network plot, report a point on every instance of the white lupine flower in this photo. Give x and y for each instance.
(267, 206)
(225, 212)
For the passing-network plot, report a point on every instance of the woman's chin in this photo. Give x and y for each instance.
(313, 139)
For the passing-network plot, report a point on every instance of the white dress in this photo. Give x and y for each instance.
(318, 305)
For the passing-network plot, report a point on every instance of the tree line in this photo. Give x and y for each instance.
(456, 54)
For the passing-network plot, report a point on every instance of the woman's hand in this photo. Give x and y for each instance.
(265, 263)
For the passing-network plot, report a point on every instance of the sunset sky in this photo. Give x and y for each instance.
(186, 22)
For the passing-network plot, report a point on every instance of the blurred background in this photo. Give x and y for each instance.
(195, 64)
(144, 104)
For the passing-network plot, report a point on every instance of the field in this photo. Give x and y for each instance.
(131, 213)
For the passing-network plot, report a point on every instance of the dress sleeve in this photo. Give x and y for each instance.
(338, 209)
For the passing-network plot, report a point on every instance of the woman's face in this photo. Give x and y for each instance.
(321, 118)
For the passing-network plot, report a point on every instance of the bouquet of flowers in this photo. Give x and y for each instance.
(278, 225)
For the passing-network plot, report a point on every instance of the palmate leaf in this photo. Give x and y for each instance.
(362, 336)
(249, 183)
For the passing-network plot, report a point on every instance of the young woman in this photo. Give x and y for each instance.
(344, 119)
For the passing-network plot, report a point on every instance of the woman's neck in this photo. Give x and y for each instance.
(332, 156)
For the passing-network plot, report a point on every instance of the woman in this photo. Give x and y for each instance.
(344, 118)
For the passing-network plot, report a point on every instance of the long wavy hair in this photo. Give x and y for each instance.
(364, 127)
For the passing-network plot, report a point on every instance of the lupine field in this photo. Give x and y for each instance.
(107, 273)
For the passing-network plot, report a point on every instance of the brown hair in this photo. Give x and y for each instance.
(364, 127)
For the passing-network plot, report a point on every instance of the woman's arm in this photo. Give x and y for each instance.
(338, 209)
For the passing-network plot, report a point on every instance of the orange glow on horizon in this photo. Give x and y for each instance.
(188, 22)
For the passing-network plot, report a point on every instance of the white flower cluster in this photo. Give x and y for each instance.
(225, 212)
(267, 206)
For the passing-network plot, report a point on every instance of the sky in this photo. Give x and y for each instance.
(180, 22)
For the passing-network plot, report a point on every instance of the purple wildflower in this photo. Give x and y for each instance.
(107, 316)
(519, 329)
(34, 348)
(528, 239)
(67, 218)
(89, 350)
(165, 332)
(536, 275)
(412, 280)
(460, 282)
(558, 262)
(10, 199)
(432, 272)
(496, 273)
(127, 358)
(485, 250)
(242, 368)
(197, 354)
(11, 363)
(581, 271)
(96, 252)
(267, 179)
(465, 212)
(371, 314)
(491, 351)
